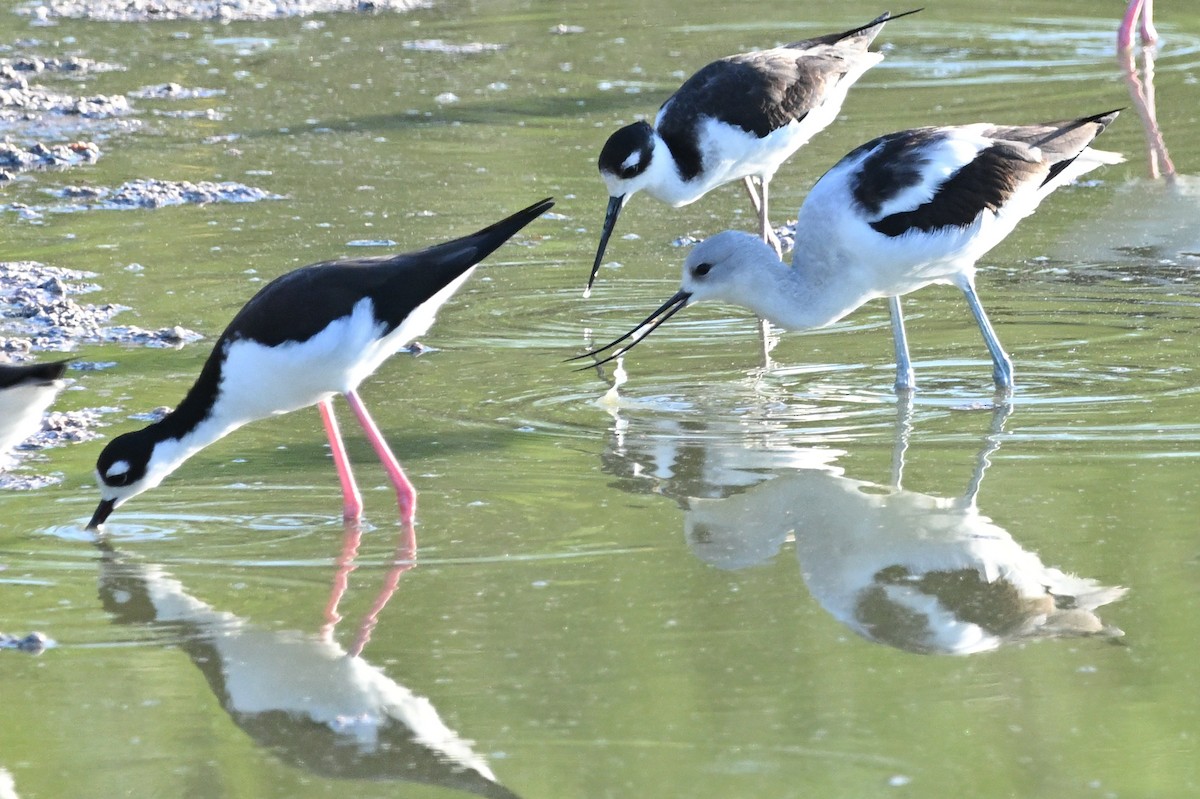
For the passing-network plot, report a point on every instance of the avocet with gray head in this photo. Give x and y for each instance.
(899, 213)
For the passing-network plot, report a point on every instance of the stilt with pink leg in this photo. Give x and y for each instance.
(307, 335)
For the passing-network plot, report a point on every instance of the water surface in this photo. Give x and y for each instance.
(632, 584)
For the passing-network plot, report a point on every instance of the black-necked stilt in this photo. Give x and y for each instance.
(306, 336)
(1137, 10)
(898, 213)
(739, 117)
(26, 391)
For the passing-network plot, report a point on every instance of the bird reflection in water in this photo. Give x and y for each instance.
(403, 561)
(910, 570)
(1141, 92)
(311, 703)
(921, 573)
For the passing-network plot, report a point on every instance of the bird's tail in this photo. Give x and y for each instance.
(1073, 138)
(863, 35)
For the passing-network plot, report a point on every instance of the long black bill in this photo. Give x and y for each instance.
(643, 329)
(610, 221)
(102, 512)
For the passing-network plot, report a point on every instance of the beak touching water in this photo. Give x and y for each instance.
(102, 512)
(615, 204)
(647, 326)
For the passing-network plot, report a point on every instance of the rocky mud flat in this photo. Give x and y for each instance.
(204, 10)
(34, 643)
(47, 129)
(22, 100)
(16, 158)
(151, 193)
(38, 312)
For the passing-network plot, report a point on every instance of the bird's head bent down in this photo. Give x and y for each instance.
(271, 360)
(625, 163)
(732, 266)
(125, 469)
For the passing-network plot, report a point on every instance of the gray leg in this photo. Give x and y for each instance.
(748, 182)
(768, 233)
(905, 380)
(1000, 414)
(904, 426)
(1002, 369)
(758, 198)
(768, 339)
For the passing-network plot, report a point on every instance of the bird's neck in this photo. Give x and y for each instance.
(673, 176)
(809, 293)
(172, 448)
(800, 296)
(199, 420)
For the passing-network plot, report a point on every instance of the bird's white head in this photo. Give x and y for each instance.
(733, 267)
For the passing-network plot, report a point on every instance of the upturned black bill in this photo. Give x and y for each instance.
(643, 329)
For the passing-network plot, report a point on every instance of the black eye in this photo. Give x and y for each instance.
(701, 270)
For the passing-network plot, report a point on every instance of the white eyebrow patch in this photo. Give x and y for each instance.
(117, 469)
(633, 160)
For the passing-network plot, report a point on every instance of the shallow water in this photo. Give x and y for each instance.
(637, 583)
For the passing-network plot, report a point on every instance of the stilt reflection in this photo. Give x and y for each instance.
(301, 696)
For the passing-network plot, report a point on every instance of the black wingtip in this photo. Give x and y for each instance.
(31, 373)
(835, 38)
(886, 16)
(486, 241)
(526, 215)
(1105, 118)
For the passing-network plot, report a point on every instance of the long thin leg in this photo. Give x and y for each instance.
(1136, 9)
(1142, 93)
(904, 426)
(1000, 414)
(351, 538)
(1149, 34)
(905, 379)
(351, 498)
(748, 182)
(1002, 370)
(759, 201)
(404, 559)
(406, 495)
(1154, 135)
(758, 198)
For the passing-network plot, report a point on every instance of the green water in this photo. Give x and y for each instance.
(576, 611)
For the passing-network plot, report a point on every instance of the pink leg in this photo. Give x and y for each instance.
(1125, 31)
(1149, 34)
(351, 538)
(1137, 9)
(404, 560)
(351, 498)
(1142, 94)
(406, 495)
